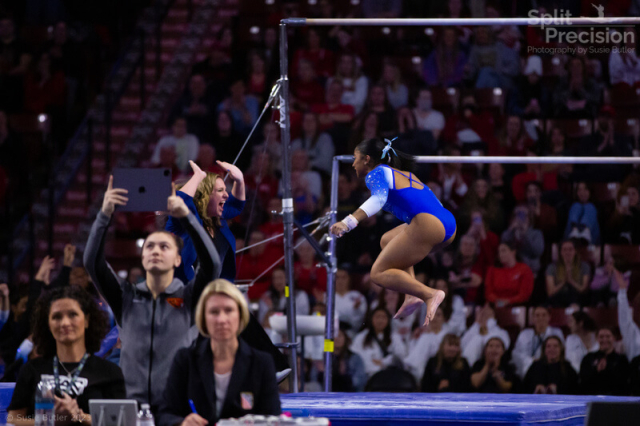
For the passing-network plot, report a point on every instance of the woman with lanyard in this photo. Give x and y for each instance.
(68, 327)
(206, 196)
(428, 225)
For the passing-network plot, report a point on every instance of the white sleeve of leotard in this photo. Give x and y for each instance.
(379, 181)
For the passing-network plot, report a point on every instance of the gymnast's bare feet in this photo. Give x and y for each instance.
(432, 305)
(411, 303)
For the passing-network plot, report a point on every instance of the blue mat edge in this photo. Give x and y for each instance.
(559, 407)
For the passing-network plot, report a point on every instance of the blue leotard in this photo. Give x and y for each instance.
(407, 202)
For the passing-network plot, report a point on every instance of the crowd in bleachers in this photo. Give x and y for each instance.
(527, 235)
(542, 281)
(53, 61)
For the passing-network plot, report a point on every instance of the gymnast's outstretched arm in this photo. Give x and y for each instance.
(379, 181)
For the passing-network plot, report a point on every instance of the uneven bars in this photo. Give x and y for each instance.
(286, 134)
(537, 21)
(513, 160)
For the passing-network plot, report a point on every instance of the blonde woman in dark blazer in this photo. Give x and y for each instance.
(220, 376)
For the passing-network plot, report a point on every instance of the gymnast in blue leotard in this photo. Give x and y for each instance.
(427, 224)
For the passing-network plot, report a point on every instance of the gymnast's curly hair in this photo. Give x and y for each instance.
(98, 320)
(201, 200)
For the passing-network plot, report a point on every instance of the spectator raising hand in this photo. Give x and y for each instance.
(175, 205)
(69, 254)
(113, 197)
(44, 272)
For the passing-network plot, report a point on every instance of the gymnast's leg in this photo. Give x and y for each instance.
(386, 239)
(405, 249)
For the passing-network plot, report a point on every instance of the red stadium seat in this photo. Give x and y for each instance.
(627, 127)
(445, 100)
(122, 248)
(603, 317)
(32, 132)
(491, 99)
(122, 253)
(627, 254)
(625, 96)
(512, 320)
(604, 192)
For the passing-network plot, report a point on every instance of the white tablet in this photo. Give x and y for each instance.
(113, 412)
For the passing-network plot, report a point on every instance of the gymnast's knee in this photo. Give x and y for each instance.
(375, 274)
(384, 241)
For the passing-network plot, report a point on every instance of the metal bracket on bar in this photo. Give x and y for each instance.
(313, 243)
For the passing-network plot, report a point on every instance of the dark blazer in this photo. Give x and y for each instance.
(192, 378)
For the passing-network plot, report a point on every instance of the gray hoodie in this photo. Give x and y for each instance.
(152, 331)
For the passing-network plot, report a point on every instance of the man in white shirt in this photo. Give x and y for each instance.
(628, 328)
(427, 118)
(476, 337)
(186, 145)
(529, 343)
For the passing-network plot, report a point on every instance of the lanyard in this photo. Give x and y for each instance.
(56, 374)
(537, 342)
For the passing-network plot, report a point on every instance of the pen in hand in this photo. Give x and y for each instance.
(193, 406)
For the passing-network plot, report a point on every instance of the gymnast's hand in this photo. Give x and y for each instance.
(175, 205)
(339, 229)
(113, 197)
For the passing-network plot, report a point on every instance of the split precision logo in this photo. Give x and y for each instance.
(595, 33)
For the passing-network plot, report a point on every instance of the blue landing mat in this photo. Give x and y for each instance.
(6, 390)
(345, 409)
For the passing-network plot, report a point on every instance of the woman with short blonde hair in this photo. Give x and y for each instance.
(223, 287)
(220, 376)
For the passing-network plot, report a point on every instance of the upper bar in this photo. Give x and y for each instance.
(514, 160)
(536, 21)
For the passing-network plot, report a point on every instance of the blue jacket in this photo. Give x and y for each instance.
(232, 208)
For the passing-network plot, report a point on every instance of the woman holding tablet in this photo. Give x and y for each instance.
(156, 315)
(244, 379)
(68, 327)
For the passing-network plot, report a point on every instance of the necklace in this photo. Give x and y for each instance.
(73, 376)
(70, 373)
